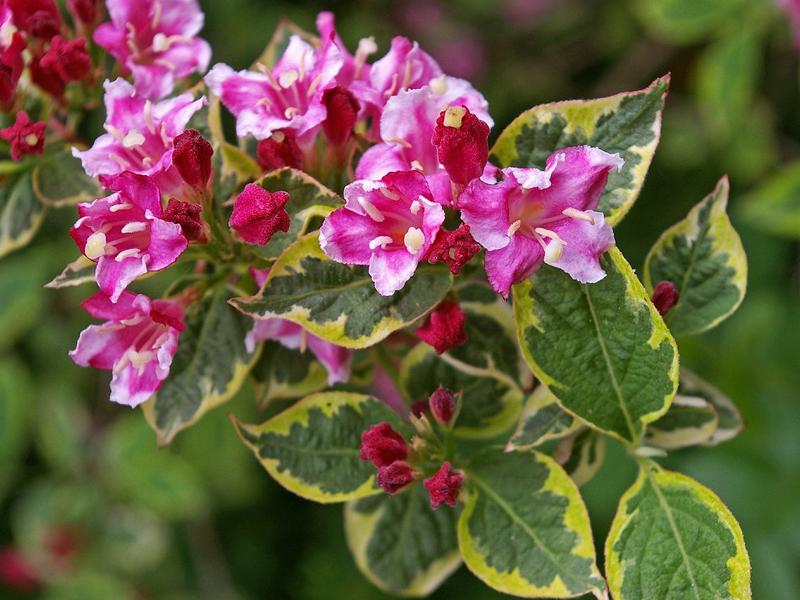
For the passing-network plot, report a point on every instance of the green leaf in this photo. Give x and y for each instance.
(400, 544)
(587, 450)
(16, 401)
(62, 429)
(774, 206)
(339, 302)
(79, 271)
(524, 529)
(690, 421)
(602, 349)
(703, 256)
(685, 21)
(312, 448)
(238, 163)
(21, 298)
(729, 421)
(542, 419)
(208, 369)
(488, 406)
(284, 374)
(307, 199)
(627, 123)
(59, 179)
(21, 213)
(89, 585)
(673, 539)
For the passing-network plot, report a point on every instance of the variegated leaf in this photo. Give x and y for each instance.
(690, 421)
(59, 179)
(729, 420)
(542, 419)
(21, 212)
(79, 271)
(586, 451)
(283, 374)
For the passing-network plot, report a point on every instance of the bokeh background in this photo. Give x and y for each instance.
(87, 497)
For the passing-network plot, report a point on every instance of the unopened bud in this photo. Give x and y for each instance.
(444, 406)
(665, 296)
(192, 158)
(454, 248)
(395, 477)
(187, 215)
(444, 327)
(259, 214)
(342, 109)
(462, 144)
(444, 486)
(280, 150)
(382, 445)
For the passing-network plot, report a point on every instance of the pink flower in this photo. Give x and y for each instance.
(335, 359)
(382, 445)
(535, 216)
(259, 214)
(68, 58)
(156, 41)
(126, 234)
(137, 342)
(140, 136)
(24, 136)
(287, 96)
(12, 43)
(354, 67)
(443, 487)
(387, 224)
(407, 129)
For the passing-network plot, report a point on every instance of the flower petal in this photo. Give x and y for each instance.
(513, 263)
(391, 269)
(585, 242)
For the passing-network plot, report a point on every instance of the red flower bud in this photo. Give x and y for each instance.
(382, 445)
(444, 327)
(444, 485)
(665, 296)
(394, 477)
(11, 65)
(187, 215)
(39, 18)
(342, 109)
(443, 405)
(454, 248)
(258, 214)
(84, 11)
(192, 158)
(280, 150)
(46, 77)
(16, 572)
(418, 408)
(25, 136)
(462, 143)
(69, 59)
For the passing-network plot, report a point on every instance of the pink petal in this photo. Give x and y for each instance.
(585, 242)
(484, 207)
(391, 269)
(335, 359)
(100, 306)
(512, 264)
(167, 243)
(114, 276)
(345, 236)
(99, 347)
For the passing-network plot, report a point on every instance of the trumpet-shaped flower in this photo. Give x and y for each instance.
(290, 95)
(156, 41)
(387, 224)
(140, 135)
(136, 342)
(126, 234)
(533, 216)
(24, 136)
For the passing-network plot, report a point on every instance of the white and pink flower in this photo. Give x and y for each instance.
(533, 216)
(156, 41)
(387, 224)
(126, 235)
(137, 343)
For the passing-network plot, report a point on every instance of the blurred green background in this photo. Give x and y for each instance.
(91, 502)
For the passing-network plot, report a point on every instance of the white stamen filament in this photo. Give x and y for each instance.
(290, 112)
(130, 252)
(164, 136)
(134, 227)
(120, 206)
(398, 141)
(160, 42)
(132, 139)
(549, 234)
(95, 245)
(288, 78)
(514, 227)
(415, 206)
(312, 87)
(453, 116)
(148, 116)
(366, 46)
(581, 215)
(414, 239)
(416, 165)
(380, 241)
(370, 209)
(439, 85)
(279, 137)
(132, 321)
(553, 251)
(156, 13)
(390, 194)
(163, 62)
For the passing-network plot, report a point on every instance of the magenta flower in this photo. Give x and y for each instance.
(535, 216)
(408, 125)
(287, 96)
(335, 359)
(387, 224)
(140, 135)
(137, 343)
(126, 235)
(156, 41)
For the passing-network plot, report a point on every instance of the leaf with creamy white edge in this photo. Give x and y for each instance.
(627, 123)
(21, 212)
(703, 257)
(208, 369)
(489, 406)
(542, 419)
(400, 543)
(79, 271)
(284, 374)
(312, 447)
(602, 349)
(674, 539)
(729, 420)
(524, 529)
(59, 179)
(690, 421)
(338, 302)
(586, 451)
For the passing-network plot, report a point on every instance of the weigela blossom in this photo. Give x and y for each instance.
(126, 234)
(68, 58)
(335, 359)
(395, 477)
(443, 487)
(46, 77)
(462, 144)
(533, 216)
(407, 129)
(140, 136)
(279, 150)
(387, 224)
(665, 296)
(258, 214)
(39, 18)
(444, 327)
(136, 342)
(156, 41)
(382, 445)
(24, 136)
(454, 248)
(287, 96)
